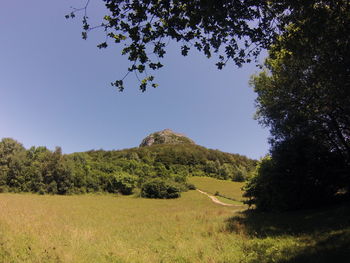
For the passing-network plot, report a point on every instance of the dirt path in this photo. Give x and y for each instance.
(215, 200)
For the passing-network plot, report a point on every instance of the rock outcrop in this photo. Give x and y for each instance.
(166, 136)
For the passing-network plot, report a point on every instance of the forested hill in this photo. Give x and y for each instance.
(181, 159)
(40, 170)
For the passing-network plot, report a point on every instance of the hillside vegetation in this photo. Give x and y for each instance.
(43, 171)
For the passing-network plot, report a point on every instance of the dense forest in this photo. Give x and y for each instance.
(41, 170)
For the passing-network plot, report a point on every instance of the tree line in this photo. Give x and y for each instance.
(165, 167)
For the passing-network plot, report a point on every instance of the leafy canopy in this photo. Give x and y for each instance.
(303, 96)
(305, 88)
(232, 30)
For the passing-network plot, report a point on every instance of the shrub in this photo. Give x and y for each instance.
(191, 186)
(4, 189)
(123, 183)
(160, 188)
(239, 176)
(41, 191)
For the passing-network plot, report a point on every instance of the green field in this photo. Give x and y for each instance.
(110, 228)
(107, 228)
(226, 189)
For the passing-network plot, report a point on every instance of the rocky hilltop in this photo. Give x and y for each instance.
(166, 136)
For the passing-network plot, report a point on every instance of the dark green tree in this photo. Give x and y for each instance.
(303, 96)
(11, 154)
(301, 173)
(306, 85)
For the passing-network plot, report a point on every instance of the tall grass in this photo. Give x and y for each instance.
(109, 228)
(104, 228)
(307, 236)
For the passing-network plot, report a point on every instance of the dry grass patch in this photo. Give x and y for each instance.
(107, 228)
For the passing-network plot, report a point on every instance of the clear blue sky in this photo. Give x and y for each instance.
(55, 89)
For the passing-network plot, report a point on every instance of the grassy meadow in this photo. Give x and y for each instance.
(111, 228)
(107, 228)
(228, 189)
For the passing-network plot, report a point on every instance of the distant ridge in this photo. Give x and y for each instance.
(166, 136)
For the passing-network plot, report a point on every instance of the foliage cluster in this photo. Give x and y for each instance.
(43, 171)
(303, 96)
(229, 30)
(158, 188)
(175, 161)
(301, 173)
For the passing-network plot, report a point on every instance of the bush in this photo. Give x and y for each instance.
(41, 191)
(191, 186)
(240, 176)
(4, 189)
(160, 188)
(123, 183)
